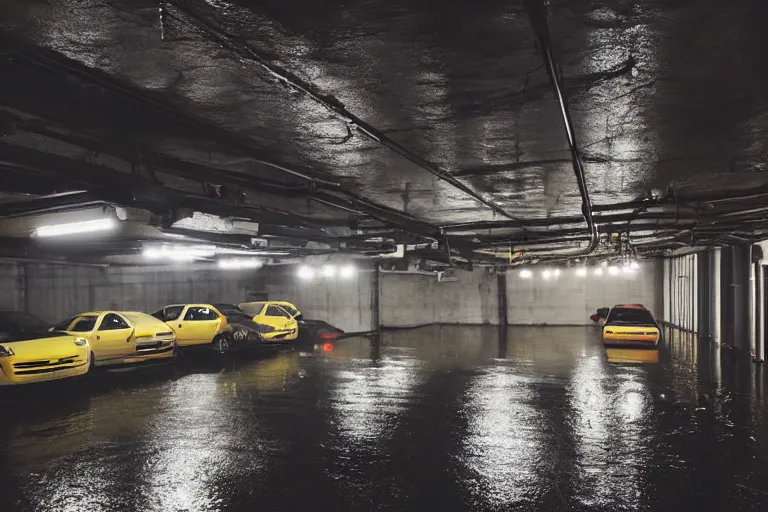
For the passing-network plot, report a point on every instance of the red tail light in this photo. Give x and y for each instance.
(329, 335)
(327, 347)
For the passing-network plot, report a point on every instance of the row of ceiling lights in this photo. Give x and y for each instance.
(613, 270)
(327, 271)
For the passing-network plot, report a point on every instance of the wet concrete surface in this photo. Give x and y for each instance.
(438, 418)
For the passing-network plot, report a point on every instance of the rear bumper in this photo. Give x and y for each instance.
(625, 340)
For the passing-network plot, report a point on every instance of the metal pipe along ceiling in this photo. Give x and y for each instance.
(332, 104)
(537, 14)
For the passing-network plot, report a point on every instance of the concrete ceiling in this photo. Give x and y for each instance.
(418, 120)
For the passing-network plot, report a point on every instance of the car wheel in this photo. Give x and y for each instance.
(222, 345)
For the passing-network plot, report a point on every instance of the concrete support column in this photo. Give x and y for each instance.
(376, 298)
(752, 308)
(735, 281)
(716, 296)
(501, 280)
(703, 287)
(759, 311)
(501, 283)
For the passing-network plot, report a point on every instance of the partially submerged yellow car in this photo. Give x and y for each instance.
(274, 318)
(219, 326)
(29, 352)
(280, 328)
(122, 337)
(631, 325)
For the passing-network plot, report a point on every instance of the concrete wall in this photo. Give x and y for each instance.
(54, 292)
(570, 299)
(409, 300)
(345, 303)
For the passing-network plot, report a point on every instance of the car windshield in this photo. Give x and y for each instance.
(290, 309)
(64, 325)
(630, 316)
(84, 324)
(15, 326)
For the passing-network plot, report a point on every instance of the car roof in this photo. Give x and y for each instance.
(188, 304)
(630, 306)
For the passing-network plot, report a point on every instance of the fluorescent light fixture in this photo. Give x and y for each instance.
(556, 272)
(306, 272)
(179, 252)
(546, 274)
(613, 270)
(627, 269)
(598, 271)
(526, 274)
(347, 271)
(329, 271)
(239, 263)
(74, 228)
(634, 265)
(581, 272)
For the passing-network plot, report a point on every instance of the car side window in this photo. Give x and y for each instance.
(275, 311)
(200, 313)
(85, 324)
(291, 311)
(172, 312)
(113, 322)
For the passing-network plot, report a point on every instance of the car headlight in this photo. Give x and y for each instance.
(5, 351)
(81, 342)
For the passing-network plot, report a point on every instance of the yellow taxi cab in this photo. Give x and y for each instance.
(277, 319)
(198, 325)
(122, 337)
(29, 352)
(631, 324)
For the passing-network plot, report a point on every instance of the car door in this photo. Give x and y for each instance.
(197, 325)
(114, 338)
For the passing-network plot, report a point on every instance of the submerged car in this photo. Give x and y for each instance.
(275, 322)
(122, 337)
(631, 325)
(205, 325)
(29, 352)
(308, 329)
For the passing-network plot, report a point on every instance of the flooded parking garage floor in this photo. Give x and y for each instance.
(438, 418)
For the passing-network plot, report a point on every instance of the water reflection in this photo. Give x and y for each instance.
(504, 438)
(630, 355)
(449, 417)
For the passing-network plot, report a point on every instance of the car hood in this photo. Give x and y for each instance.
(44, 348)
